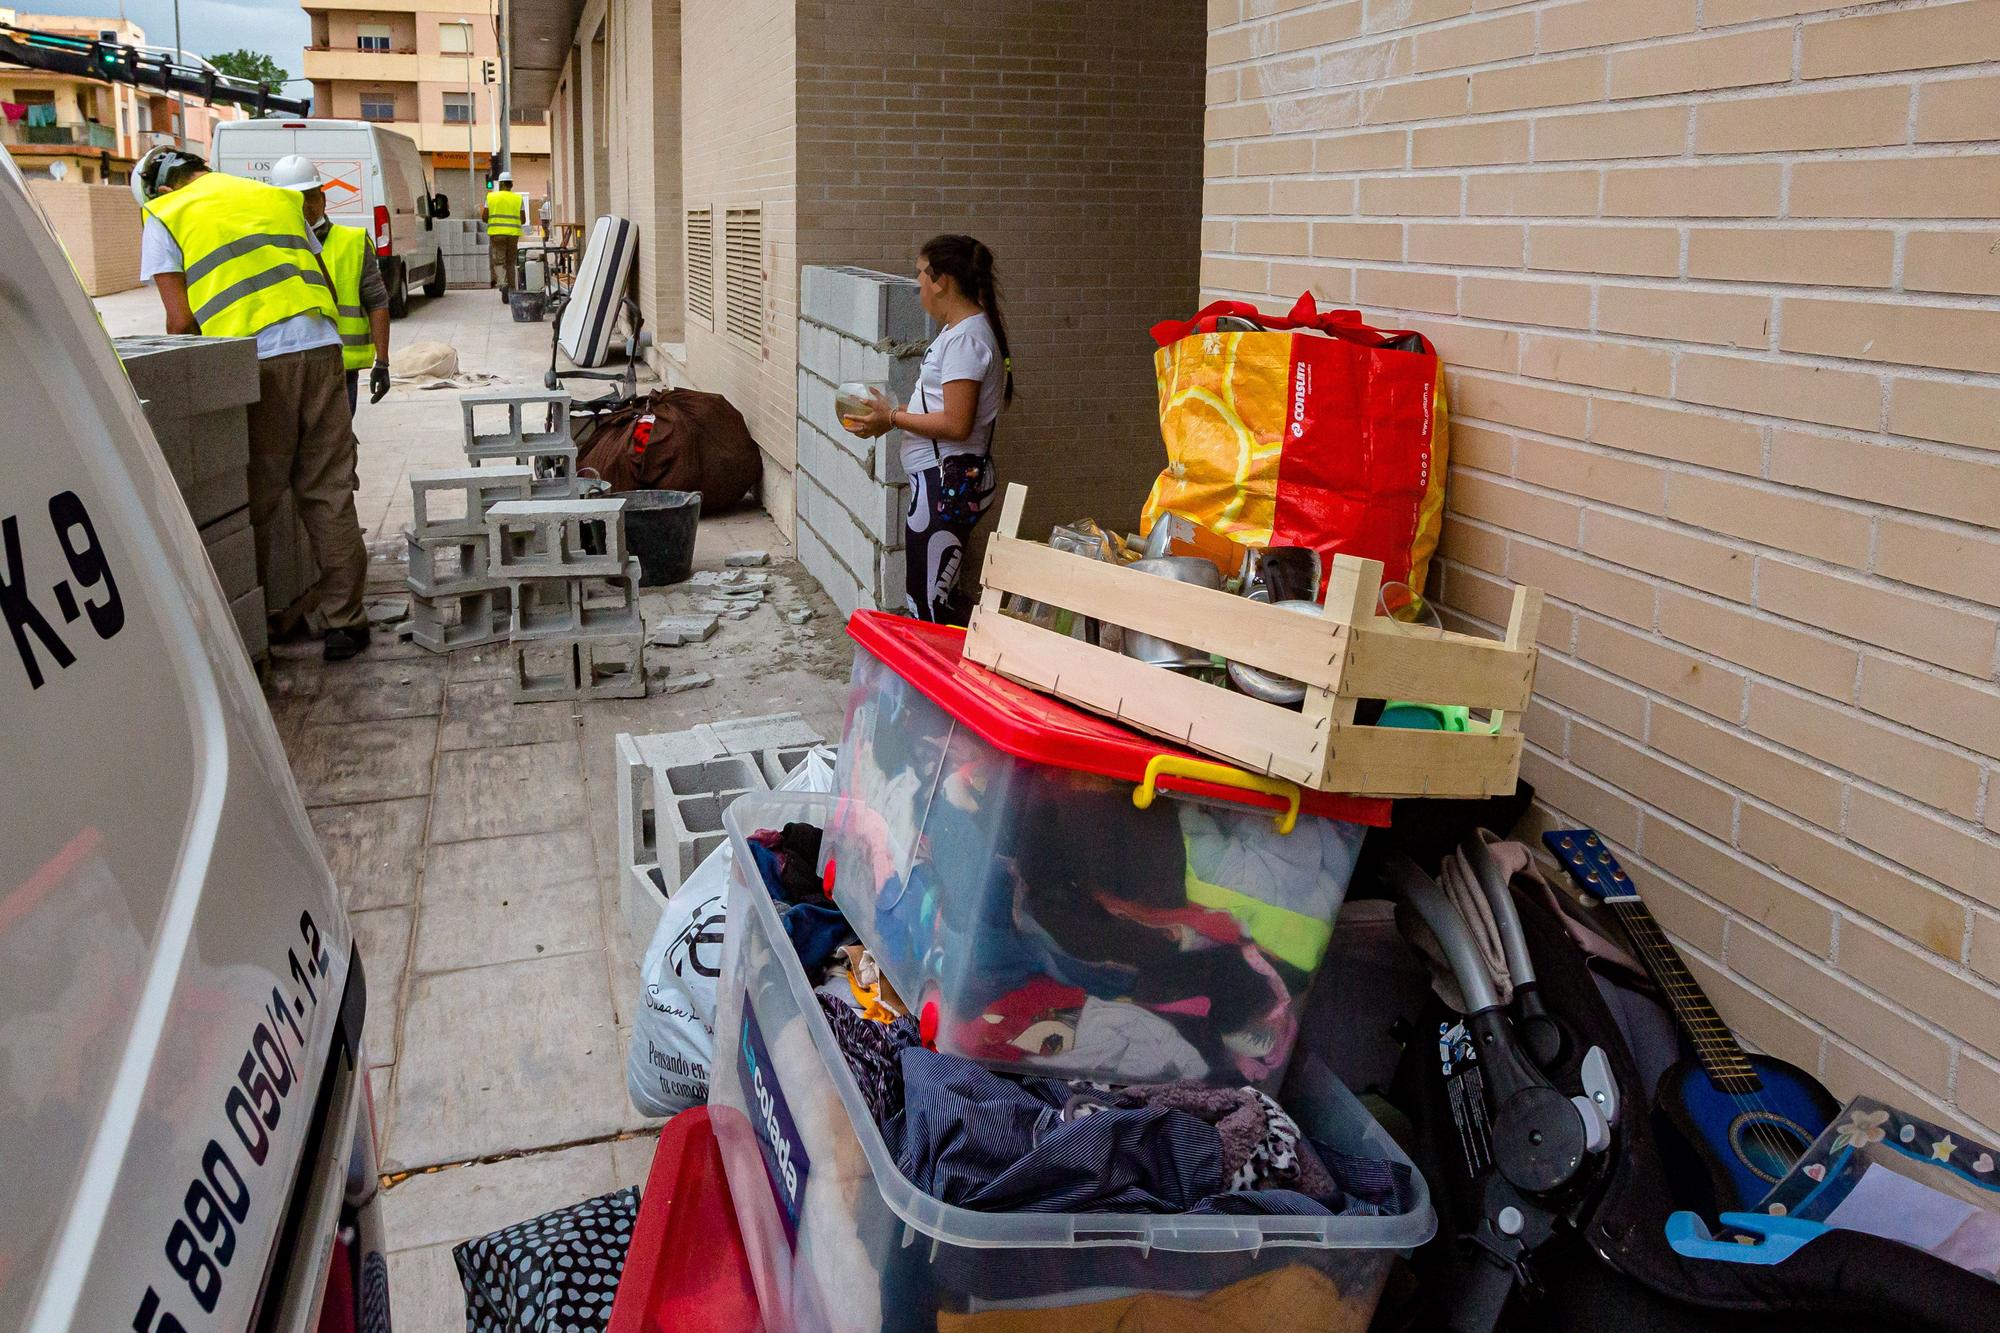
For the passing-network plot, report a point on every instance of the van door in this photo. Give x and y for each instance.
(173, 953)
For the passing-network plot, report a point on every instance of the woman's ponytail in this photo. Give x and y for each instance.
(970, 264)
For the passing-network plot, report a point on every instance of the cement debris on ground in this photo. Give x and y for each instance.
(745, 559)
(665, 684)
(798, 615)
(671, 631)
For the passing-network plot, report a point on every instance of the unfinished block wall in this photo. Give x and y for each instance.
(1065, 136)
(99, 228)
(1715, 281)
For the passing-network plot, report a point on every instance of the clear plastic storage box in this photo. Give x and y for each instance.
(839, 1239)
(1001, 854)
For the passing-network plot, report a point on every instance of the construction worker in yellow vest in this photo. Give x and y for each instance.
(233, 258)
(504, 213)
(360, 296)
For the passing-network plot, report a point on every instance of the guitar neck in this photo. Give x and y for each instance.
(1723, 1060)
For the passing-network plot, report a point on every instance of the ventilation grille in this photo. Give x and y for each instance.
(743, 274)
(701, 265)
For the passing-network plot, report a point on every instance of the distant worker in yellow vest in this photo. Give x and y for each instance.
(360, 296)
(504, 213)
(233, 258)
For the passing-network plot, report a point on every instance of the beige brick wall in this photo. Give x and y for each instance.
(737, 150)
(1714, 278)
(99, 227)
(1066, 138)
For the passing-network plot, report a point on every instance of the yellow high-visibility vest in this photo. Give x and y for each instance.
(245, 252)
(345, 251)
(505, 211)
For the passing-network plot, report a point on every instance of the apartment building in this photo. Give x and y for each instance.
(419, 69)
(753, 138)
(92, 129)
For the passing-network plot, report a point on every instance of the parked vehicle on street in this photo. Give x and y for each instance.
(186, 1136)
(375, 181)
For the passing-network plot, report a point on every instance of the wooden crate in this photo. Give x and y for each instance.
(1347, 655)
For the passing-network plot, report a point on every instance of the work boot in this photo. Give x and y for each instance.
(345, 641)
(503, 296)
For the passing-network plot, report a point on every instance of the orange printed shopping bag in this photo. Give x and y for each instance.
(1307, 429)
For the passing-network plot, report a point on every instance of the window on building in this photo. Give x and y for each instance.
(458, 109)
(525, 115)
(701, 266)
(371, 36)
(455, 39)
(743, 274)
(378, 108)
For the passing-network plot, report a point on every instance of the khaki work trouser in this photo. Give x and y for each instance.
(500, 254)
(302, 440)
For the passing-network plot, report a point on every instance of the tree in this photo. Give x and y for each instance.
(252, 66)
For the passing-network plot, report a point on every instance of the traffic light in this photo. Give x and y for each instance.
(488, 71)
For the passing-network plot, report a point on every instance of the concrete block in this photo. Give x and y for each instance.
(219, 440)
(633, 788)
(289, 571)
(778, 761)
(556, 538)
(891, 582)
(611, 605)
(642, 901)
(816, 403)
(857, 549)
(819, 350)
(460, 620)
(864, 304)
(452, 502)
(446, 566)
(674, 631)
(871, 364)
(886, 459)
(211, 497)
(689, 801)
(543, 669)
(612, 666)
(510, 422)
(247, 610)
(819, 561)
(753, 735)
(233, 554)
(546, 608)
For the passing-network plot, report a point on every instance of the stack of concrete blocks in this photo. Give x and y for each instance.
(856, 325)
(454, 601)
(574, 629)
(672, 791)
(196, 394)
(463, 241)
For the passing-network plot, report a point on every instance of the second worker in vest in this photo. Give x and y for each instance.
(504, 213)
(360, 297)
(233, 258)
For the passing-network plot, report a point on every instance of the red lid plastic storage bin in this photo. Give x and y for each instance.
(1002, 855)
(686, 1270)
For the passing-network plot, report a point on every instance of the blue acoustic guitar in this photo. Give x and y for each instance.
(1745, 1118)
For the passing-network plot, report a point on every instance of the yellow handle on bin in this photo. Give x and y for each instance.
(1222, 775)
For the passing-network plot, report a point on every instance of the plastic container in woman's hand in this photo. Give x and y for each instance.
(852, 400)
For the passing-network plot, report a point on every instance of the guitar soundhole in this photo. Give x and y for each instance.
(1768, 1144)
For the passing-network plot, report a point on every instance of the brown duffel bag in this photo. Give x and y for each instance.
(674, 440)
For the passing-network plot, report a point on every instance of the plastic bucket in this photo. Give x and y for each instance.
(659, 529)
(528, 307)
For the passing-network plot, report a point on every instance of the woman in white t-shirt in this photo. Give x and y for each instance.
(967, 378)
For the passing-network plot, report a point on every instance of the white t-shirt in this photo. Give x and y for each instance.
(159, 252)
(966, 350)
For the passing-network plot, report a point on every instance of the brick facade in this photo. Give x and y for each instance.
(1713, 279)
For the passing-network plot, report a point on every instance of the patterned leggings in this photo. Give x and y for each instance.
(934, 546)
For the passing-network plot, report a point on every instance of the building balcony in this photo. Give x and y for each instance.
(369, 6)
(76, 134)
(367, 66)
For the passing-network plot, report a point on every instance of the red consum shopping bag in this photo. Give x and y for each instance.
(1306, 429)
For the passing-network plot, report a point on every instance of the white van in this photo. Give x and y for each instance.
(186, 1138)
(375, 181)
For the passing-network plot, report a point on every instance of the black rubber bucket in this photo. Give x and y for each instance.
(528, 307)
(659, 529)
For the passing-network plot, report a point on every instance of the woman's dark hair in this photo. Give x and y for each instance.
(970, 264)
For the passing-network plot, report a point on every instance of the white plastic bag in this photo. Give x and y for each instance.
(673, 1033)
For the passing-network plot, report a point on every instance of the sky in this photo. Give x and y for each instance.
(278, 28)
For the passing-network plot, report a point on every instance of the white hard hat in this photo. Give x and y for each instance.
(505, 178)
(296, 172)
(160, 168)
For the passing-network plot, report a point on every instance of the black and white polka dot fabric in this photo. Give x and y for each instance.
(555, 1273)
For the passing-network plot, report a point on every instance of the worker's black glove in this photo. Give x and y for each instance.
(378, 383)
